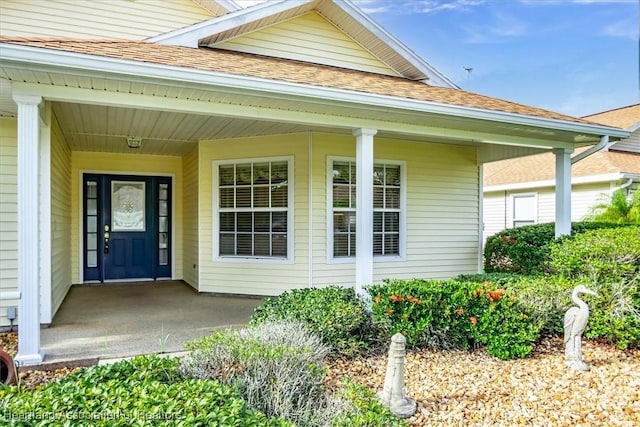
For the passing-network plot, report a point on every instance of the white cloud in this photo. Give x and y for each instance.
(415, 6)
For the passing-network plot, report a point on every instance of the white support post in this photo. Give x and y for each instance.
(563, 191)
(45, 214)
(29, 351)
(364, 208)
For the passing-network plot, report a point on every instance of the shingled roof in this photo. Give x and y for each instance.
(252, 65)
(541, 167)
(624, 117)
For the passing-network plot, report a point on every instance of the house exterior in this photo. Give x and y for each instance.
(244, 151)
(522, 191)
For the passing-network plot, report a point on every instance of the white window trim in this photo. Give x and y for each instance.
(403, 213)
(216, 213)
(513, 198)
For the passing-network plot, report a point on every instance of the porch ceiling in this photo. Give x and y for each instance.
(105, 129)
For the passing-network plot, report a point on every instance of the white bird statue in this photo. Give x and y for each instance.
(575, 320)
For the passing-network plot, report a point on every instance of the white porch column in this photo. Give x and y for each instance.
(563, 191)
(364, 208)
(29, 351)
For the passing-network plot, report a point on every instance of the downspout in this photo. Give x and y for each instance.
(625, 185)
(311, 213)
(603, 144)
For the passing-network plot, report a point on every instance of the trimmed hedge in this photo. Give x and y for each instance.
(335, 313)
(525, 249)
(452, 314)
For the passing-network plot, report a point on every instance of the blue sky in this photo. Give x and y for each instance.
(576, 57)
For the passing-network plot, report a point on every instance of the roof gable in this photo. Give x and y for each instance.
(310, 38)
(342, 15)
(114, 19)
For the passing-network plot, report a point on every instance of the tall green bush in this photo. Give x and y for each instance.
(608, 261)
(598, 255)
(525, 249)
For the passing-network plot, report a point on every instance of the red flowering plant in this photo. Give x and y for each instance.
(502, 324)
(403, 306)
(454, 314)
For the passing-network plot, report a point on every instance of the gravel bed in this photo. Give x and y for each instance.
(458, 388)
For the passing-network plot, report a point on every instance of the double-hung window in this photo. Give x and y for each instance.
(254, 208)
(387, 208)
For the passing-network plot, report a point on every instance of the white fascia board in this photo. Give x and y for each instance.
(48, 60)
(634, 127)
(590, 179)
(403, 50)
(190, 36)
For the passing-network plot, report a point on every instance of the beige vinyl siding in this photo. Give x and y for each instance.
(131, 165)
(310, 38)
(254, 277)
(494, 209)
(585, 197)
(441, 211)
(190, 221)
(60, 217)
(91, 19)
(8, 215)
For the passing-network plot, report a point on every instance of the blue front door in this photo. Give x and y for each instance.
(127, 225)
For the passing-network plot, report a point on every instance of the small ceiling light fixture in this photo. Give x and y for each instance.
(134, 142)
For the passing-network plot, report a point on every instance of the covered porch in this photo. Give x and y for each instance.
(127, 319)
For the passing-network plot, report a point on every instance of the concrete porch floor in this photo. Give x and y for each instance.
(126, 319)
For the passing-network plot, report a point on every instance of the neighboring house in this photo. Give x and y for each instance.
(522, 191)
(244, 151)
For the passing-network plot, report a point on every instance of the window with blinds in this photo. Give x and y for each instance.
(254, 209)
(387, 188)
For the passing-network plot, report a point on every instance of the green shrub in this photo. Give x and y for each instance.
(452, 314)
(145, 391)
(496, 279)
(336, 314)
(524, 249)
(598, 255)
(615, 313)
(607, 261)
(277, 367)
(614, 316)
(367, 409)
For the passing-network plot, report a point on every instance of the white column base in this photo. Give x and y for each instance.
(29, 359)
